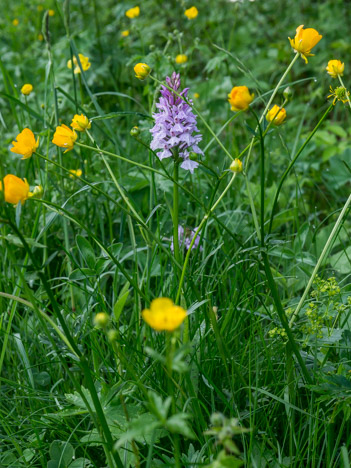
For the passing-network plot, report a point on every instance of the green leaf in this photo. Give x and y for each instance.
(86, 251)
(178, 424)
(80, 463)
(82, 274)
(120, 303)
(60, 451)
(140, 429)
(42, 378)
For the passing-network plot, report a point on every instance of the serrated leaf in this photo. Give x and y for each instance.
(140, 430)
(178, 424)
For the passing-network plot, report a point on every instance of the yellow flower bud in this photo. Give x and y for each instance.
(51, 12)
(181, 58)
(335, 68)
(15, 22)
(135, 132)
(236, 165)
(164, 315)
(112, 335)
(80, 123)
(191, 13)
(304, 41)
(133, 12)
(142, 71)
(196, 95)
(101, 320)
(277, 115)
(125, 33)
(240, 98)
(26, 89)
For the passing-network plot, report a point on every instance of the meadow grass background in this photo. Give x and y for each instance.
(240, 392)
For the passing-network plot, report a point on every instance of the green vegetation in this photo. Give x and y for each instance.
(93, 371)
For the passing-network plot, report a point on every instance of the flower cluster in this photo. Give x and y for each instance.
(65, 137)
(175, 124)
(84, 61)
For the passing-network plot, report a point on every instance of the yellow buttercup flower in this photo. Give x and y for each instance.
(25, 144)
(125, 33)
(335, 68)
(236, 165)
(181, 58)
(240, 98)
(26, 89)
(142, 70)
(80, 123)
(75, 173)
(277, 115)
(84, 62)
(304, 41)
(164, 315)
(16, 189)
(15, 22)
(133, 12)
(51, 12)
(64, 137)
(196, 95)
(191, 13)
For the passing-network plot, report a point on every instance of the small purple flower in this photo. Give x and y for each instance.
(175, 124)
(185, 238)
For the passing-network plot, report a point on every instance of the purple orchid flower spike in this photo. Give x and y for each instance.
(174, 126)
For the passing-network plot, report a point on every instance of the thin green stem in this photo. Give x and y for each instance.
(108, 153)
(292, 164)
(324, 253)
(175, 214)
(347, 94)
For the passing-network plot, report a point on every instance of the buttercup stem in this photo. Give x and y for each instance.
(327, 246)
(292, 163)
